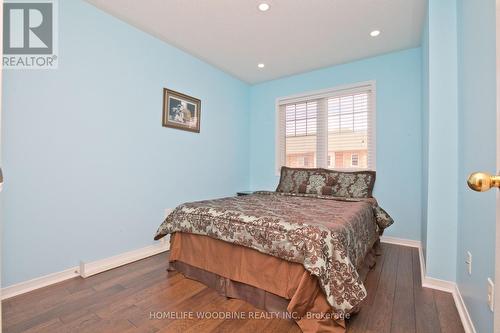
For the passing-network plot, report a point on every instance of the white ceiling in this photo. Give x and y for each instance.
(294, 36)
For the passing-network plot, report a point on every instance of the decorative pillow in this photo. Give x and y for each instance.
(293, 180)
(355, 184)
(316, 182)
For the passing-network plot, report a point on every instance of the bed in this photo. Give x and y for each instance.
(301, 252)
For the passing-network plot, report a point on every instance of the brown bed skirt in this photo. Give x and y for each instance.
(269, 283)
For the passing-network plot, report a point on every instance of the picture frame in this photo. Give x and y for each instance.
(181, 111)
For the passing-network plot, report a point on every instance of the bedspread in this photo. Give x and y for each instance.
(329, 236)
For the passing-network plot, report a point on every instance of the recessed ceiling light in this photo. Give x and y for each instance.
(375, 33)
(264, 7)
(261, 65)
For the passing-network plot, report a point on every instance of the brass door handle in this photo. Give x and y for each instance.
(482, 181)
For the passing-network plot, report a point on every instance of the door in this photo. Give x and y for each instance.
(1, 176)
(483, 181)
(497, 244)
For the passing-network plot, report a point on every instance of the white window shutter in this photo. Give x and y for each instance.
(322, 137)
(280, 138)
(327, 129)
(372, 130)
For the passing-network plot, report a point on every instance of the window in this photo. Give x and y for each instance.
(301, 119)
(354, 160)
(300, 134)
(329, 129)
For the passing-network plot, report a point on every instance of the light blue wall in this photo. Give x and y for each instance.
(89, 168)
(459, 83)
(399, 162)
(477, 117)
(425, 130)
(442, 196)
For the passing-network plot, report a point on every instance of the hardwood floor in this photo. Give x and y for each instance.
(126, 299)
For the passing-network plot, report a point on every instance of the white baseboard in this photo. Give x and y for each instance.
(85, 269)
(433, 283)
(438, 284)
(401, 241)
(99, 266)
(40, 282)
(462, 311)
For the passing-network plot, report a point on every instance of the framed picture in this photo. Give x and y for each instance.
(181, 111)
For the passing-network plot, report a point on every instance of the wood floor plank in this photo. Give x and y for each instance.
(175, 295)
(137, 297)
(36, 304)
(84, 323)
(204, 307)
(101, 326)
(46, 327)
(210, 321)
(253, 324)
(403, 313)
(204, 301)
(126, 296)
(122, 299)
(359, 321)
(47, 296)
(94, 281)
(381, 313)
(277, 325)
(449, 318)
(257, 324)
(426, 315)
(143, 280)
(65, 308)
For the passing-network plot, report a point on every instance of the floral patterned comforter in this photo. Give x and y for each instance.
(330, 236)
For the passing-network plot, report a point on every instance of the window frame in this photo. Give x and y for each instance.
(353, 88)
